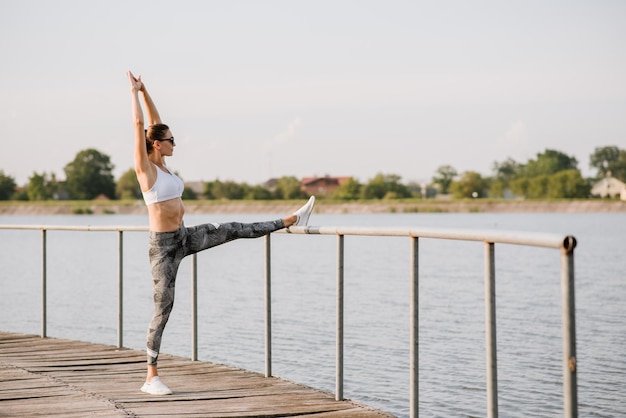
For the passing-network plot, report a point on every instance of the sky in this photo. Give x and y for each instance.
(259, 89)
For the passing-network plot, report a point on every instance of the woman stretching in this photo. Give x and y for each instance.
(170, 239)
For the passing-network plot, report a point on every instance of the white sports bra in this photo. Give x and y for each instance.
(167, 186)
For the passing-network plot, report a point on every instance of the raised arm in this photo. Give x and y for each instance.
(143, 166)
(151, 110)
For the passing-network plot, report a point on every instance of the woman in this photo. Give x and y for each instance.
(170, 239)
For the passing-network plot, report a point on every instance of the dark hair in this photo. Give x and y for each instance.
(154, 133)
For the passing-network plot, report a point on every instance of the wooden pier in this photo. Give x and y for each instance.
(62, 378)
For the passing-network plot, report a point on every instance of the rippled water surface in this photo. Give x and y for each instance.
(82, 292)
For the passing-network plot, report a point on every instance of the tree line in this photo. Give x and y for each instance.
(551, 174)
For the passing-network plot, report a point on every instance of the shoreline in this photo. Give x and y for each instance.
(253, 207)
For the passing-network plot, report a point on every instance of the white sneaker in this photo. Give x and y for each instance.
(304, 212)
(156, 387)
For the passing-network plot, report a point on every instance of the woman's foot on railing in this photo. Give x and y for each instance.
(304, 212)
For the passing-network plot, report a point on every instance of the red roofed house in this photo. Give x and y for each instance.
(322, 185)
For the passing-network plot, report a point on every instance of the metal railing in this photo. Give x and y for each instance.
(566, 244)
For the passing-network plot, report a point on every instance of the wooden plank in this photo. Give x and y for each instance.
(55, 377)
(26, 394)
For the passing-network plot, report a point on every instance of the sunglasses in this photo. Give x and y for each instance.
(168, 139)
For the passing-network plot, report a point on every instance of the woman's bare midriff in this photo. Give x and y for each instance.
(166, 216)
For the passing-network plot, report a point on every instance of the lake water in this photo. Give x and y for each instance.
(82, 292)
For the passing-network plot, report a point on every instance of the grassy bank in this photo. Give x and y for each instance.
(323, 206)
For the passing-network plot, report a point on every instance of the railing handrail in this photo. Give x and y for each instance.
(565, 243)
(76, 228)
(535, 239)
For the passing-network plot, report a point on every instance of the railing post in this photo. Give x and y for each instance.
(120, 289)
(194, 307)
(339, 341)
(44, 285)
(490, 330)
(414, 312)
(268, 306)
(570, 396)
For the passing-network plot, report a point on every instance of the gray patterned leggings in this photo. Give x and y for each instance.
(167, 249)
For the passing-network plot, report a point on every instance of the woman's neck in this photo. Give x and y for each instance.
(158, 160)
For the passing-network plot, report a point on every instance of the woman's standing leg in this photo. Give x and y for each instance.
(166, 252)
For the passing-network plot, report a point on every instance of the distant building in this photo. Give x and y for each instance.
(197, 187)
(271, 184)
(322, 185)
(609, 187)
(61, 194)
